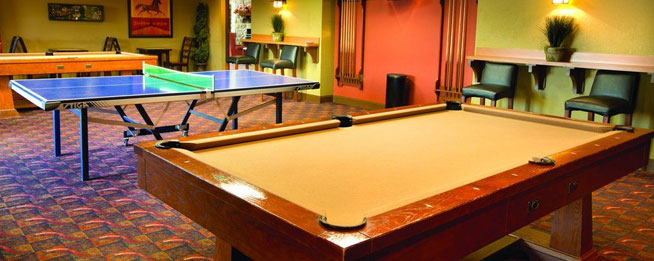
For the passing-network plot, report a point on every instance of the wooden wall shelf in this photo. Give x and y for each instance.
(576, 68)
(310, 45)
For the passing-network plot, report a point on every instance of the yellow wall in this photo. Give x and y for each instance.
(29, 19)
(216, 34)
(304, 18)
(605, 26)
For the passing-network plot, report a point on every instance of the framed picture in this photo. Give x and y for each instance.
(150, 18)
(72, 12)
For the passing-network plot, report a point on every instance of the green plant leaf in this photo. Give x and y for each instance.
(277, 23)
(201, 34)
(558, 29)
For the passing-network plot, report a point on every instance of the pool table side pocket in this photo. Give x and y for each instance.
(571, 230)
(234, 219)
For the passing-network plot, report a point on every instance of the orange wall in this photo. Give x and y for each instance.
(401, 37)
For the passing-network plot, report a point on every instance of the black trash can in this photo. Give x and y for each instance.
(397, 90)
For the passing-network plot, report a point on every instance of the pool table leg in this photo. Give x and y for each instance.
(278, 107)
(223, 250)
(572, 229)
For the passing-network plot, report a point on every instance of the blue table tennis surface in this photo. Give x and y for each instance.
(112, 87)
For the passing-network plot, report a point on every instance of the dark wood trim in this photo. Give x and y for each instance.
(316, 98)
(368, 105)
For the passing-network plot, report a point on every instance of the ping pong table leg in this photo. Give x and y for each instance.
(278, 107)
(56, 133)
(184, 123)
(235, 111)
(84, 143)
(233, 108)
(148, 121)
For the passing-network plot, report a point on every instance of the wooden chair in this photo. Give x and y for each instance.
(110, 44)
(497, 81)
(184, 55)
(613, 93)
(288, 59)
(16, 43)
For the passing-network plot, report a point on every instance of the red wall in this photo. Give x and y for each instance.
(401, 37)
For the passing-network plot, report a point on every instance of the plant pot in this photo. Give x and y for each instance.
(278, 37)
(556, 54)
(200, 67)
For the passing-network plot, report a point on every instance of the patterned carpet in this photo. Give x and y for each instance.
(46, 213)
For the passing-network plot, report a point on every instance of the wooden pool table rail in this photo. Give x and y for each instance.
(448, 225)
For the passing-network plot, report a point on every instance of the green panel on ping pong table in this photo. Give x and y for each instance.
(159, 76)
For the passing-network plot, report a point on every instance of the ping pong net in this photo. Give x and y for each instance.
(176, 80)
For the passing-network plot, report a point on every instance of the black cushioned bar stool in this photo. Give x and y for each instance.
(612, 93)
(287, 60)
(497, 82)
(250, 57)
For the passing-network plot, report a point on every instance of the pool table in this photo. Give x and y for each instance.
(424, 182)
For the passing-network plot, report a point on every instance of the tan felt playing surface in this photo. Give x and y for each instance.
(346, 174)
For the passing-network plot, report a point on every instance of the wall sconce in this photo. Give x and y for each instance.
(558, 2)
(281, 3)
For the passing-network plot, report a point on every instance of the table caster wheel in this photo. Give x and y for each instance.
(185, 133)
(125, 142)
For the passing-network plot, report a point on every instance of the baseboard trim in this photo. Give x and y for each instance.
(368, 105)
(316, 98)
(650, 166)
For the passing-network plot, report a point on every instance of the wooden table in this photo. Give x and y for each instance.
(309, 45)
(576, 68)
(12, 64)
(67, 50)
(163, 54)
(423, 183)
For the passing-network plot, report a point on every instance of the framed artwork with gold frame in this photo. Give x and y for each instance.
(150, 18)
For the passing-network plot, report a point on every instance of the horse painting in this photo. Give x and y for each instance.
(151, 8)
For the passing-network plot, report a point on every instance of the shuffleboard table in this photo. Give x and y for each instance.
(13, 64)
(419, 183)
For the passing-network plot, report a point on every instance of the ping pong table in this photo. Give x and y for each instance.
(156, 85)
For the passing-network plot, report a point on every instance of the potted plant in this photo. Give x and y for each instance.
(278, 28)
(201, 31)
(558, 30)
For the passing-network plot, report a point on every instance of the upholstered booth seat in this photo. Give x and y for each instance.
(488, 91)
(602, 105)
(497, 81)
(277, 64)
(241, 59)
(613, 92)
(288, 59)
(251, 57)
